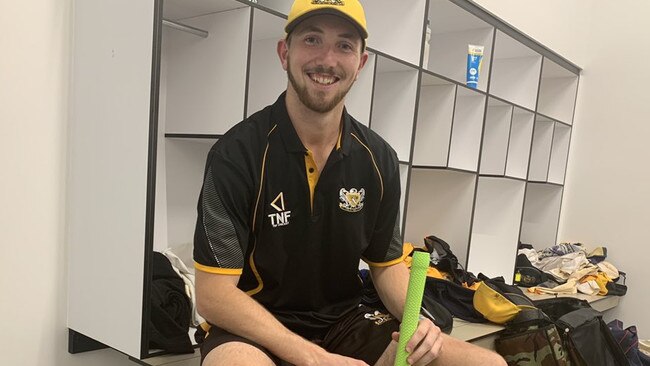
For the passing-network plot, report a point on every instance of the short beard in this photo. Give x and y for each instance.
(314, 103)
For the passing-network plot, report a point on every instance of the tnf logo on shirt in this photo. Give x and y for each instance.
(280, 218)
(352, 200)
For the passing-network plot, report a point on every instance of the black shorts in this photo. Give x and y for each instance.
(363, 333)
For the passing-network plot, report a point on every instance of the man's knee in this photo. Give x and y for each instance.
(236, 354)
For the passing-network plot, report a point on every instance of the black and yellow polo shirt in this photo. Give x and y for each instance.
(295, 235)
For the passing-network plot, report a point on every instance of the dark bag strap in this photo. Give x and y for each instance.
(448, 262)
(559, 306)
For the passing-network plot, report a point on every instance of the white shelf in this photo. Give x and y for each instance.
(495, 232)
(435, 114)
(521, 135)
(557, 92)
(395, 28)
(394, 104)
(266, 78)
(466, 129)
(541, 149)
(559, 153)
(495, 137)
(440, 203)
(359, 99)
(515, 72)
(541, 214)
(201, 96)
(452, 30)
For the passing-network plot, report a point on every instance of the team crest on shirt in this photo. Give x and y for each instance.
(352, 200)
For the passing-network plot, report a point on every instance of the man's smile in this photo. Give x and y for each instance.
(323, 79)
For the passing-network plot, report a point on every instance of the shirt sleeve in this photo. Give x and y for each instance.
(385, 247)
(222, 226)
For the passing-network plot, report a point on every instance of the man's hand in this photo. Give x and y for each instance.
(425, 344)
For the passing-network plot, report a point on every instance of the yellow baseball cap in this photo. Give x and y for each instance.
(348, 9)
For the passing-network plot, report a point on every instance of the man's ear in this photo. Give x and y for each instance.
(362, 63)
(283, 51)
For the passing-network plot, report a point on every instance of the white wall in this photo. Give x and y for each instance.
(34, 72)
(607, 194)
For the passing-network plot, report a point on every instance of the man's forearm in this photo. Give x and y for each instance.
(222, 303)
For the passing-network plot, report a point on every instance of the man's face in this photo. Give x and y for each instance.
(323, 59)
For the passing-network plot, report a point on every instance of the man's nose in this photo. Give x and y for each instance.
(327, 56)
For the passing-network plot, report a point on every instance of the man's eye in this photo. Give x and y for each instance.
(346, 47)
(311, 40)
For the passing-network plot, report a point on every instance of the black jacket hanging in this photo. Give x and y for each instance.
(171, 309)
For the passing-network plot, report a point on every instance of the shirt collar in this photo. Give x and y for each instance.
(290, 137)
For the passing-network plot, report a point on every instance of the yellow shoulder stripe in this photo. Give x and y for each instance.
(217, 270)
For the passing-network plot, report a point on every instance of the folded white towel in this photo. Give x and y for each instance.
(188, 277)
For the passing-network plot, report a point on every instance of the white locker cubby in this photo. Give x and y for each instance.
(395, 28)
(541, 214)
(359, 100)
(441, 203)
(266, 78)
(466, 129)
(521, 134)
(515, 72)
(435, 115)
(203, 98)
(557, 92)
(498, 124)
(495, 230)
(453, 29)
(559, 153)
(541, 151)
(393, 108)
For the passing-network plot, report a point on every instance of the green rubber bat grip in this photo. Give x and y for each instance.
(411, 316)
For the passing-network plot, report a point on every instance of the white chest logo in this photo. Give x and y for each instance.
(281, 217)
(352, 200)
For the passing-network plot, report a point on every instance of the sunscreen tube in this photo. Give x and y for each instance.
(474, 60)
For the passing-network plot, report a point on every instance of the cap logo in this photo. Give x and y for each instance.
(328, 2)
